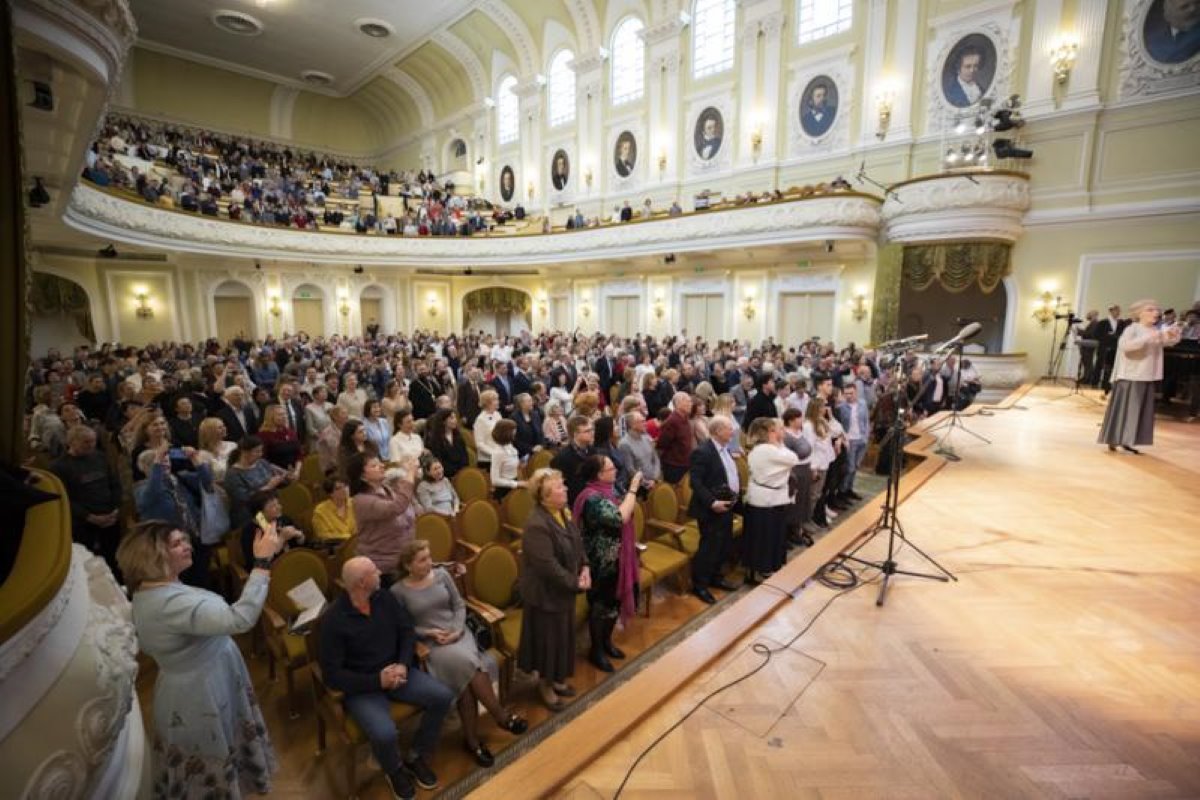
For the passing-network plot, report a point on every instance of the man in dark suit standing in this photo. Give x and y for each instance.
(468, 396)
(239, 416)
(521, 384)
(293, 409)
(606, 368)
(570, 459)
(1109, 332)
(715, 488)
(423, 392)
(503, 385)
(184, 423)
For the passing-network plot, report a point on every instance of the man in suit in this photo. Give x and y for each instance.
(1108, 332)
(606, 367)
(239, 416)
(625, 156)
(569, 459)
(961, 87)
(521, 384)
(715, 487)
(503, 384)
(709, 141)
(423, 392)
(560, 172)
(818, 112)
(184, 423)
(293, 409)
(468, 396)
(855, 419)
(626, 212)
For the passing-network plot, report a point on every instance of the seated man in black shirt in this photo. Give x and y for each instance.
(367, 650)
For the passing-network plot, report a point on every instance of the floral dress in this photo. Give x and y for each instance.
(210, 739)
(601, 526)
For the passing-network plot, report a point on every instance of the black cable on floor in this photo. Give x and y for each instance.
(757, 647)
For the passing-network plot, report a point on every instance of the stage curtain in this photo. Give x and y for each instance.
(956, 266)
(497, 299)
(885, 312)
(50, 295)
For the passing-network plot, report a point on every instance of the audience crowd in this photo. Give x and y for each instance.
(203, 438)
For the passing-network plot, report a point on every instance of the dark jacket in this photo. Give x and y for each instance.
(569, 460)
(708, 480)
(551, 559)
(675, 440)
(355, 648)
(453, 455)
(529, 433)
(234, 432)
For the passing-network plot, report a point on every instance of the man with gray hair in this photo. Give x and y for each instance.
(716, 488)
(675, 439)
(238, 415)
(638, 450)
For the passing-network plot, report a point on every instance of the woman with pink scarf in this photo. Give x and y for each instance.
(606, 524)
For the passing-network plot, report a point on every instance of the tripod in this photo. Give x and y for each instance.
(888, 521)
(955, 419)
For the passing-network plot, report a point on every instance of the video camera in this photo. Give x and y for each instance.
(1069, 317)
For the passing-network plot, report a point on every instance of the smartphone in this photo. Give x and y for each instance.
(176, 454)
(260, 520)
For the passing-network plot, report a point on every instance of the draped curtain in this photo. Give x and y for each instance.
(497, 299)
(50, 295)
(885, 316)
(956, 267)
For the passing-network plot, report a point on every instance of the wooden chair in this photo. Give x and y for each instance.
(290, 570)
(683, 492)
(331, 711)
(479, 525)
(439, 532)
(297, 504)
(540, 459)
(311, 474)
(344, 552)
(491, 590)
(515, 509)
(662, 511)
(657, 561)
(469, 440)
(472, 483)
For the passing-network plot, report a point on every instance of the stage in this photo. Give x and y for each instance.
(1064, 662)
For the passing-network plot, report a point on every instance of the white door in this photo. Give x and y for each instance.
(803, 315)
(234, 317)
(622, 315)
(560, 314)
(308, 315)
(704, 315)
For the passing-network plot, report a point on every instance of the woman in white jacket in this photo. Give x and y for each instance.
(768, 499)
(1129, 418)
(489, 415)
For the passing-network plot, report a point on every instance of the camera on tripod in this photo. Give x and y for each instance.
(1069, 317)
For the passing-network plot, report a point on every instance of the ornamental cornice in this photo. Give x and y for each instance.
(957, 206)
(591, 62)
(663, 31)
(841, 215)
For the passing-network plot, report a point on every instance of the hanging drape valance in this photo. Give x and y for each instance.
(50, 295)
(497, 299)
(956, 266)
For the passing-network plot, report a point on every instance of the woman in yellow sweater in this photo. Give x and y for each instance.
(333, 518)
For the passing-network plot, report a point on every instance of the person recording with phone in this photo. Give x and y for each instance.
(172, 494)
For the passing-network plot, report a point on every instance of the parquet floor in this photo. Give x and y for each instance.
(1065, 662)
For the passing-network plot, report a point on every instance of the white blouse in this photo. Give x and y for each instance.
(1139, 355)
(485, 445)
(822, 448)
(405, 445)
(770, 467)
(506, 466)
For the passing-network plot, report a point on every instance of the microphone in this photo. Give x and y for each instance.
(862, 171)
(963, 335)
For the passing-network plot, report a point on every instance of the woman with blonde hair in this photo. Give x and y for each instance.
(555, 426)
(281, 444)
(209, 732)
(440, 618)
(768, 499)
(151, 432)
(587, 404)
(489, 415)
(553, 570)
(214, 449)
(820, 440)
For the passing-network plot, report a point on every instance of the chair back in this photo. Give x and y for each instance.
(494, 575)
(683, 492)
(639, 523)
(311, 473)
(479, 522)
(289, 571)
(662, 504)
(743, 471)
(471, 483)
(540, 459)
(469, 440)
(344, 552)
(517, 506)
(297, 504)
(436, 529)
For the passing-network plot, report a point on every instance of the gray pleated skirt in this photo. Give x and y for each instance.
(1129, 418)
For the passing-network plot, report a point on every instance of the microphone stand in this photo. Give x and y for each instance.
(954, 419)
(888, 520)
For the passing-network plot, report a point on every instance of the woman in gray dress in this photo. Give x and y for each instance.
(1129, 418)
(454, 659)
(209, 736)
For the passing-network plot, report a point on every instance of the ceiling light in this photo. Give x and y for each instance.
(236, 22)
(315, 77)
(375, 28)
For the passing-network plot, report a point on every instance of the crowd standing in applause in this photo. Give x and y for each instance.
(203, 437)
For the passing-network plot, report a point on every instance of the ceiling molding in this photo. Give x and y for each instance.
(517, 32)
(459, 50)
(414, 90)
(228, 66)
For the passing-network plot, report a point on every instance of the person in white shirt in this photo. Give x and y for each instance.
(489, 415)
(352, 398)
(316, 414)
(820, 439)
(1129, 417)
(506, 461)
(405, 443)
(768, 499)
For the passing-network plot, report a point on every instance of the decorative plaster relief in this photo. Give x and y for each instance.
(1141, 73)
(846, 215)
(983, 206)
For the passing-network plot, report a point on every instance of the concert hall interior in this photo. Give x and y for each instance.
(600, 398)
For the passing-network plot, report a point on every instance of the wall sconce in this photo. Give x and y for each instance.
(275, 309)
(585, 304)
(748, 309)
(432, 304)
(144, 311)
(587, 176)
(542, 307)
(659, 308)
(1062, 58)
(662, 161)
(858, 305)
(343, 303)
(529, 190)
(1047, 305)
(884, 98)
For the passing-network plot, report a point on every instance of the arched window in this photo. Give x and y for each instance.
(628, 59)
(712, 37)
(817, 19)
(508, 111)
(562, 88)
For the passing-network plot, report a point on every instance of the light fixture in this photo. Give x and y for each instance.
(541, 303)
(343, 303)
(144, 311)
(1062, 57)
(748, 308)
(529, 190)
(432, 304)
(659, 307)
(1046, 306)
(756, 132)
(858, 304)
(585, 304)
(587, 175)
(884, 98)
(662, 161)
(275, 309)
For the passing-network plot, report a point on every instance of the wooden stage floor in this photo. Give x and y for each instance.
(1064, 663)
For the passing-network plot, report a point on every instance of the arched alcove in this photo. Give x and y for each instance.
(308, 310)
(371, 306)
(61, 314)
(233, 311)
(498, 310)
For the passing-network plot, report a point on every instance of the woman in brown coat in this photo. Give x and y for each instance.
(553, 570)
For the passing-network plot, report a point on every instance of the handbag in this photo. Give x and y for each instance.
(480, 629)
(214, 517)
